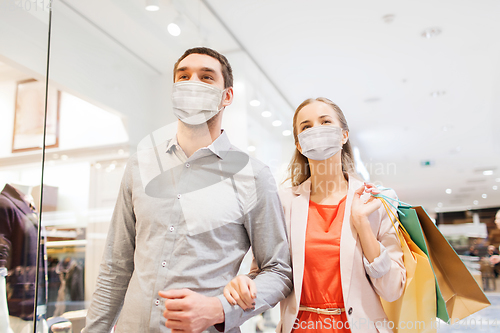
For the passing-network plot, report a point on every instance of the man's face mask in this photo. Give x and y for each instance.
(194, 103)
(320, 142)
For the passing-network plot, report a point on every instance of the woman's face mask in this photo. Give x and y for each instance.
(320, 142)
(194, 103)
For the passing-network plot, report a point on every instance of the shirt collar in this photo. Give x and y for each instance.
(219, 147)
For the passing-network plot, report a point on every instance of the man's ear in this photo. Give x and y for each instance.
(228, 97)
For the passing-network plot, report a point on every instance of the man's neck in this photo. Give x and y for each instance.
(192, 138)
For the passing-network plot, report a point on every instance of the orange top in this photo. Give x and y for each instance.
(321, 286)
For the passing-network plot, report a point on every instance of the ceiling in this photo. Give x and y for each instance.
(424, 112)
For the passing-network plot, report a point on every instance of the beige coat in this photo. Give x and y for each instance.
(361, 292)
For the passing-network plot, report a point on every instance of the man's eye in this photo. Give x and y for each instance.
(182, 77)
(207, 77)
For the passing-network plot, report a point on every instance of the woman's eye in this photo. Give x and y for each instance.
(305, 127)
(327, 122)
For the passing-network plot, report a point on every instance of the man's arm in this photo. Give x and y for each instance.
(265, 224)
(117, 264)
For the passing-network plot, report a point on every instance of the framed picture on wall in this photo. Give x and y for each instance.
(29, 116)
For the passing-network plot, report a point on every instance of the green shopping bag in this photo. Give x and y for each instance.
(412, 224)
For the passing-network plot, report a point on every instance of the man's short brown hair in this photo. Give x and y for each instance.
(227, 72)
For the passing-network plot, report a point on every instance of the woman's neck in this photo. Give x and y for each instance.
(328, 183)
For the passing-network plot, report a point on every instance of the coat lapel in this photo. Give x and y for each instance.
(298, 226)
(348, 240)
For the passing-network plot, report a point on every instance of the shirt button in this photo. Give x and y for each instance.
(188, 165)
(178, 196)
(164, 263)
(157, 302)
(171, 228)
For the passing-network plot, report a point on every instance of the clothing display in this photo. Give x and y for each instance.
(187, 223)
(321, 287)
(71, 287)
(19, 231)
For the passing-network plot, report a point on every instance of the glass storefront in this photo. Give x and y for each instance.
(64, 148)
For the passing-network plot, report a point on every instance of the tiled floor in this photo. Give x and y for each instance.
(486, 320)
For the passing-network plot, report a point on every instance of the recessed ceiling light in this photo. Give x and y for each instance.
(174, 29)
(448, 191)
(476, 202)
(251, 148)
(487, 172)
(389, 18)
(152, 5)
(495, 187)
(438, 93)
(64, 157)
(287, 133)
(254, 102)
(277, 123)
(266, 114)
(440, 204)
(431, 32)
(484, 196)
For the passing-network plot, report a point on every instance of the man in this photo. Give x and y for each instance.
(187, 212)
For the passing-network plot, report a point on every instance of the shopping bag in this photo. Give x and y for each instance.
(415, 310)
(458, 294)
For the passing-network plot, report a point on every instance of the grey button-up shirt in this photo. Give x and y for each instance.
(187, 223)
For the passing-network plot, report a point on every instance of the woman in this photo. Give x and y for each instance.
(345, 251)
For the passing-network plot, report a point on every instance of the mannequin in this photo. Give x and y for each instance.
(18, 254)
(4, 310)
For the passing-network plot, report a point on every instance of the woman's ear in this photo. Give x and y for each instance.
(299, 148)
(345, 137)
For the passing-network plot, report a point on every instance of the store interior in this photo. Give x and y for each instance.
(419, 83)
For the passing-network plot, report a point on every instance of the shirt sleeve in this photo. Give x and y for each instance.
(380, 265)
(117, 264)
(265, 225)
(389, 285)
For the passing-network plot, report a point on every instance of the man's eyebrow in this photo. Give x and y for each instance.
(208, 69)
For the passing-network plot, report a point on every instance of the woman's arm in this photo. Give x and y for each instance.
(386, 270)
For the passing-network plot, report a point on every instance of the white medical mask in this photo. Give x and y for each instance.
(194, 103)
(320, 142)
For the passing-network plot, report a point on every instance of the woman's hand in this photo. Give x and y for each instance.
(359, 217)
(361, 210)
(242, 291)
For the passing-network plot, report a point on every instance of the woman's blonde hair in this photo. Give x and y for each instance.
(298, 168)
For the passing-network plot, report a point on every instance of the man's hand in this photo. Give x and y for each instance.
(190, 312)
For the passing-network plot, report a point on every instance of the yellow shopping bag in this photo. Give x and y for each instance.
(415, 310)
